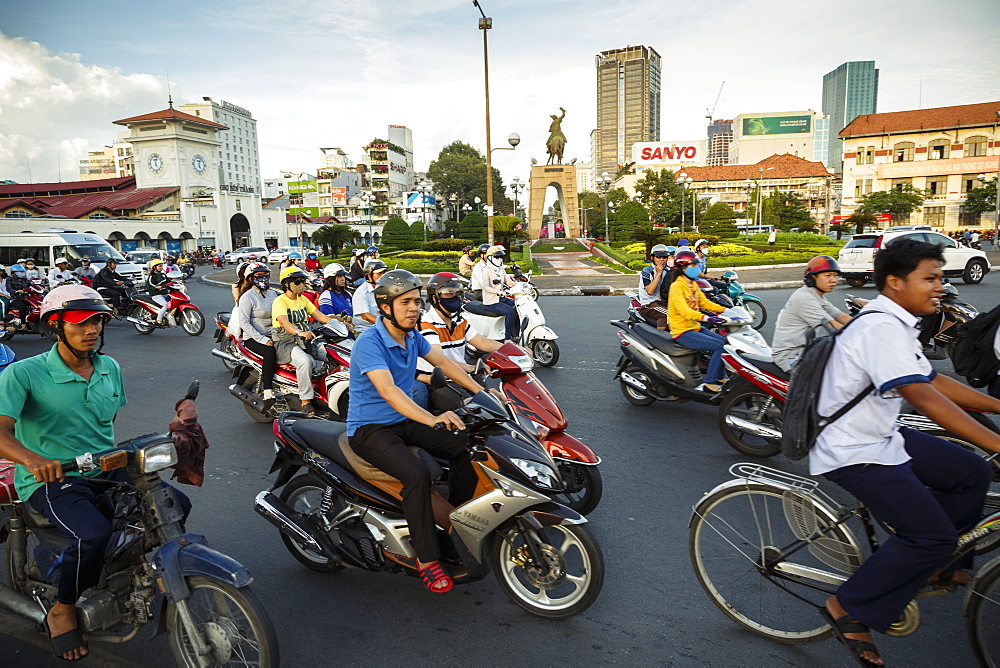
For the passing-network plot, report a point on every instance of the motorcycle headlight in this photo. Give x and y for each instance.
(156, 457)
(539, 473)
(523, 361)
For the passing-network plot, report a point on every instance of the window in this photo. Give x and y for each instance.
(940, 239)
(970, 218)
(975, 147)
(859, 158)
(17, 213)
(934, 215)
(939, 149)
(898, 184)
(937, 186)
(869, 155)
(969, 181)
(868, 186)
(903, 152)
(98, 216)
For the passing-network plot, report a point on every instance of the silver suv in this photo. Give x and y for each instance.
(857, 257)
(243, 254)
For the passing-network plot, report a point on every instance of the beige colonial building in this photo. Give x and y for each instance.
(941, 151)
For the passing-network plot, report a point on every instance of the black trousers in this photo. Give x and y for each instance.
(269, 360)
(22, 307)
(385, 447)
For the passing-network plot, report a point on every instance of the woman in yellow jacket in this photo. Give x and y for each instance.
(685, 317)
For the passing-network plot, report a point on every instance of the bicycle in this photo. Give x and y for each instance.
(769, 547)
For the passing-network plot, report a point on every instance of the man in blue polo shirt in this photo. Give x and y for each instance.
(382, 419)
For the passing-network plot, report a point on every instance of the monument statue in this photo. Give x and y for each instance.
(557, 140)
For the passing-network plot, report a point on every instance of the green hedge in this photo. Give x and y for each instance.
(774, 257)
(616, 254)
(796, 238)
(446, 244)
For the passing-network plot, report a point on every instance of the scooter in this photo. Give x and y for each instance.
(342, 511)
(535, 335)
(155, 575)
(538, 411)
(144, 310)
(330, 380)
(27, 323)
(752, 303)
(519, 275)
(937, 331)
(655, 367)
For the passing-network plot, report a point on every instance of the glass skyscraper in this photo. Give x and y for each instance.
(628, 104)
(849, 91)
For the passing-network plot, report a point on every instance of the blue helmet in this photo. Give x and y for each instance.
(7, 357)
(371, 249)
(671, 249)
(17, 268)
(294, 255)
(684, 242)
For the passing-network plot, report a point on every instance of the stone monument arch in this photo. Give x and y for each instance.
(563, 179)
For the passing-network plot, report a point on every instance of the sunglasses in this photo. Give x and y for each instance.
(447, 294)
(297, 281)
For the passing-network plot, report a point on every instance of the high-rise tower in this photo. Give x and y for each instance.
(628, 104)
(720, 135)
(849, 91)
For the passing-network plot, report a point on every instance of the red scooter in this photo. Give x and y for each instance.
(330, 382)
(539, 412)
(27, 323)
(180, 310)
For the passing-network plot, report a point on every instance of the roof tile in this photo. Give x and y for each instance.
(784, 166)
(919, 120)
(172, 113)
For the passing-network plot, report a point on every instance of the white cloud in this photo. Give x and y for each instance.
(53, 109)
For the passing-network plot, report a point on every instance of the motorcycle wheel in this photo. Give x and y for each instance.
(533, 291)
(856, 282)
(305, 495)
(14, 574)
(145, 318)
(584, 487)
(545, 352)
(232, 622)
(574, 578)
(227, 346)
(192, 321)
(757, 311)
(251, 383)
(633, 395)
(747, 402)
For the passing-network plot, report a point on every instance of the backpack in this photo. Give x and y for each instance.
(801, 422)
(972, 353)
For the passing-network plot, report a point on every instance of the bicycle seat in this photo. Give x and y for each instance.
(478, 308)
(660, 340)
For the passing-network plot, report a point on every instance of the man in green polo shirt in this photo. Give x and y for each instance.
(54, 407)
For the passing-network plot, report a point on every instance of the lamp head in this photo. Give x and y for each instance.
(514, 139)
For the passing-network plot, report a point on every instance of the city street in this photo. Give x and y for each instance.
(657, 462)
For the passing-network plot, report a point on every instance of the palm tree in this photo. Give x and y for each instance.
(505, 230)
(333, 236)
(650, 235)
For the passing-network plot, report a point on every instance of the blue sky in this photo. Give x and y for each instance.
(336, 72)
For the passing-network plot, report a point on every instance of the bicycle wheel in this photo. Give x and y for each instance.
(736, 535)
(982, 614)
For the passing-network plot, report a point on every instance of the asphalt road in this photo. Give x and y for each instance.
(658, 461)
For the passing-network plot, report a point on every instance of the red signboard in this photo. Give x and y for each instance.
(338, 196)
(880, 217)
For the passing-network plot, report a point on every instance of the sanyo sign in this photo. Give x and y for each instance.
(669, 152)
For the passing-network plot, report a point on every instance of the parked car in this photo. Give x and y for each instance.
(280, 254)
(243, 254)
(857, 257)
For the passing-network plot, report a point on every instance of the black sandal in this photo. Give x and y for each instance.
(848, 624)
(65, 642)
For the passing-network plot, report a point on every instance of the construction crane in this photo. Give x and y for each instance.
(711, 112)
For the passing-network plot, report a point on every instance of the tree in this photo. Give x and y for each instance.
(719, 219)
(629, 216)
(460, 173)
(333, 236)
(841, 229)
(861, 219)
(982, 199)
(591, 207)
(661, 194)
(473, 227)
(505, 230)
(792, 212)
(645, 232)
(416, 233)
(900, 201)
(396, 233)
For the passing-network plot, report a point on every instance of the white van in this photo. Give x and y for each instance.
(46, 245)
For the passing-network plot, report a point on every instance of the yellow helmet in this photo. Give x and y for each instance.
(154, 262)
(288, 271)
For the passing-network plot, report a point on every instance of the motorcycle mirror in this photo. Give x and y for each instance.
(193, 389)
(438, 379)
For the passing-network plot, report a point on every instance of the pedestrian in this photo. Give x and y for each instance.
(772, 237)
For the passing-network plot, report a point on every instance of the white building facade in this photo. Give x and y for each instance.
(805, 134)
(238, 157)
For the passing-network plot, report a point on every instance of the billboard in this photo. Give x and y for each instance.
(338, 196)
(669, 152)
(296, 187)
(777, 125)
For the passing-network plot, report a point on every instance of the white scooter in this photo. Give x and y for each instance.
(535, 336)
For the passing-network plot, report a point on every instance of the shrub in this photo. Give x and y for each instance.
(446, 245)
(795, 237)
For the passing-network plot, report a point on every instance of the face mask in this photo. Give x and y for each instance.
(262, 283)
(704, 251)
(451, 305)
(692, 272)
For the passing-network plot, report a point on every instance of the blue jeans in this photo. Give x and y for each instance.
(927, 501)
(708, 342)
(420, 393)
(505, 308)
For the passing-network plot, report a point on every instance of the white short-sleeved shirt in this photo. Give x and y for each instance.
(451, 338)
(881, 349)
(805, 310)
(363, 301)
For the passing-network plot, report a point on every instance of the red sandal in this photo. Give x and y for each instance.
(433, 576)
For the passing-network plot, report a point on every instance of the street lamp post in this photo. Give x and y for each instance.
(694, 202)
(422, 189)
(604, 183)
(517, 187)
(367, 200)
(683, 181)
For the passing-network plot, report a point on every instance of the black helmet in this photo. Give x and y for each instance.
(443, 280)
(483, 248)
(391, 285)
(374, 265)
(466, 249)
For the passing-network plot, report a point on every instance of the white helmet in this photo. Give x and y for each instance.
(332, 268)
(61, 260)
(701, 242)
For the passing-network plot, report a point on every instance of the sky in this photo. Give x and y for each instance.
(337, 72)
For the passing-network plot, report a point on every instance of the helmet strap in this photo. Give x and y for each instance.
(79, 354)
(391, 317)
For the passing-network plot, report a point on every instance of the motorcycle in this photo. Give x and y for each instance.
(187, 268)
(217, 261)
(27, 323)
(342, 511)
(519, 275)
(538, 412)
(143, 312)
(535, 335)
(155, 575)
(128, 300)
(330, 380)
(752, 303)
(653, 366)
(937, 331)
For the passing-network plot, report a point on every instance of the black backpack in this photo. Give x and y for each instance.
(972, 353)
(801, 423)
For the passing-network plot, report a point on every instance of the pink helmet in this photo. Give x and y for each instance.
(75, 303)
